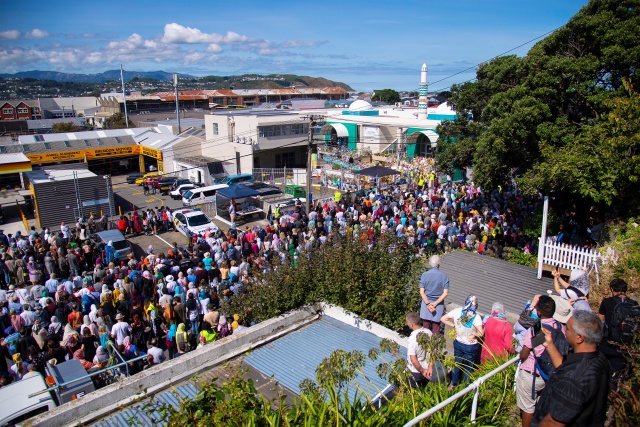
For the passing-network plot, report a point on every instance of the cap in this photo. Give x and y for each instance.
(563, 309)
(119, 316)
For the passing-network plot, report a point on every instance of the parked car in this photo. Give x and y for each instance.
(121, 245)
(165, 183)
(181, 189)
(180, 181)
(144, 177)
(189, 221)
(132, 177)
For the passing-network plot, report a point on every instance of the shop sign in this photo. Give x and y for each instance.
(112, 151)
(55, 157)
(151, 152)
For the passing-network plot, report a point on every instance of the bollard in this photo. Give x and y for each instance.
(119, 210)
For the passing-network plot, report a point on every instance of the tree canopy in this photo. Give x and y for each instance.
(117, 121)
(64, 127)
(564, 118)
(389, 96)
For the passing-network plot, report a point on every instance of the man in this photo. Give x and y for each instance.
(434, 288)
(529, 384)
(576, 395)
(52, 284)
(421, 369)
(609, 346)
(157, 353)
(120, 330)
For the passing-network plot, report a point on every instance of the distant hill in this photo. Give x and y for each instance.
(245, 81)
(92, 78)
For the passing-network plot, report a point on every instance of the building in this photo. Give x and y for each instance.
(64, 193)
(20, 110)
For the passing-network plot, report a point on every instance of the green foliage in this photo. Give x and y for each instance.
(379, 283)
(389, 96)
(622, 251)
(563, 118)
(533, 223)
(518, 257)
(625, 401)
(64, 127)
(117, 121)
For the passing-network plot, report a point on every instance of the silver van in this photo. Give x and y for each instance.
(197, 196)
(121, 245)
(16, 405)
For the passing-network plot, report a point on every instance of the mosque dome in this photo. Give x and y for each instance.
(360, 105)
(444, 109)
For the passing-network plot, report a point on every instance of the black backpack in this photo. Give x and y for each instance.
(625, 322)
(543, 363)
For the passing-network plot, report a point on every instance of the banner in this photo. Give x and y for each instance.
(96, 153)
(151, 152)
(55, 157)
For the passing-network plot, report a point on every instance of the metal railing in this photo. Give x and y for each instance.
(474, 386)
(92, 374)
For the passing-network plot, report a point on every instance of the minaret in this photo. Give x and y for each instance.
(422, 100)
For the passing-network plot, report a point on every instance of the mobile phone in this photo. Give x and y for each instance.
(537, 339)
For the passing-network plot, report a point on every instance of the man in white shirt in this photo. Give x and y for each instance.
(157, 353)
(421, 369)
(120, 330)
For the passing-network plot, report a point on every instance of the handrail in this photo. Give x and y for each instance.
(117, 353)
(471, 387)
(92, 374)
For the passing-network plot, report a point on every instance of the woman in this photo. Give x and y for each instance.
(138, 327)
(34, 271)
(207, 335)
(170, 340)
(182, 340)
(70, 338)
(17, 322)
(468, 326)
(137, 223)
(79, 355)
(207, 261)
(103, 332)
(19, 368)
(86, 324)
(89, 343)
(578, 282)
(55, 328)
(93, 314)
(54, 352)
(498, 334)
(101, 359)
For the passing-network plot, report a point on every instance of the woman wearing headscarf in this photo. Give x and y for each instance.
(93, 314)
(34, 271)
(89, 343)
(49, 263)
(19, 368)
(137, 223)
(101, 359)
(70, 338)
(55, 328)
(86, 324)
(578, 283)
(468, 327)
(105, 291)
(17, 322)
(498, 334)
(109, 251)
(79, 355)
(170, 340)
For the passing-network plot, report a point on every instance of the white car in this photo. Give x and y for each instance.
(178, 192)
(189, 222)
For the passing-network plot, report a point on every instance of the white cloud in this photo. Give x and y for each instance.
(193, 57)
(9, 34)
(176, 33)
(270, 52)
(36, 34)
(300, 43)
(214, 48)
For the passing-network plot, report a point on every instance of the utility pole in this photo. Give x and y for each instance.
(124, 98)
(175, 84)
(311, 124)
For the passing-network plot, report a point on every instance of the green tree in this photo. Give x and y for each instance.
(64, 127)
(389, 96)
(559, 119)
(117, 121)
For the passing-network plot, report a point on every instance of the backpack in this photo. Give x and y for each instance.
(224, 330)
(543, 363)
(625, 321)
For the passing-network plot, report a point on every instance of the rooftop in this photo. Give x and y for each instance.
(41, 176)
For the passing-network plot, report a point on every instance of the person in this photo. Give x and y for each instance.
(610, 346)
(155, 352)
(497, 334)
(434, 288)
(468, 326)
(120, 330)
(577, 393)
(527, 387)
(182, 340)
(420, 365)
(578, 282)
(232, 211)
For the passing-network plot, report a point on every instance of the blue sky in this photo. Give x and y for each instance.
(366, 44)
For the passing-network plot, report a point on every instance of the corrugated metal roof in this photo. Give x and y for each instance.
(491, 280)
(294, 357)
(9, 158)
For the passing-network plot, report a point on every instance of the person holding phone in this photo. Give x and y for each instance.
(528, 388)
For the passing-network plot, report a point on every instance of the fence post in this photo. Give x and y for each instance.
(543, 237)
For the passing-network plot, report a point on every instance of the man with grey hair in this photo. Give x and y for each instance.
(434, 288)
(576, 394)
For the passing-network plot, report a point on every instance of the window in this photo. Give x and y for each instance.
(215, 128)
(285, 160)
(3, 149)
(67, 144)
(118, 140)
(25, 148)
(7, 111)
(47, 146)
(23, 111)
(100, 142)
(86, 142)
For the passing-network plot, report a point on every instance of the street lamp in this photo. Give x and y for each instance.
(107, 178)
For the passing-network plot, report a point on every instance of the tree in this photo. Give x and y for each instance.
(117, 121)
(546, 119)
(64, 127)
(389, 96)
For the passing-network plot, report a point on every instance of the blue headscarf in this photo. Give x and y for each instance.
(469, 311)
(172, 332)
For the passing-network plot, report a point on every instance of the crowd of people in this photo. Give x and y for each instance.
(65, 297)
(570, 356)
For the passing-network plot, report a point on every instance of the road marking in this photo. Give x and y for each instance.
(136, 193)
(168, 244)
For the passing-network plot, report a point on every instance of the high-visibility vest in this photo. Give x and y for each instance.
(276, 212)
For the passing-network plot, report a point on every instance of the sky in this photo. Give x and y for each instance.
(368, 45)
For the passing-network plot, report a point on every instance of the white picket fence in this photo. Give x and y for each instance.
(566, 256)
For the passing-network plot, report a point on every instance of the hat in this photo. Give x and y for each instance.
(169, 278)
(563, 309)
(119, 316)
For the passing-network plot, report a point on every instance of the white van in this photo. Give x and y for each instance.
(201, 195)
(16, 405)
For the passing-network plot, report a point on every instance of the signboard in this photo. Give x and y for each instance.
(56, 157)
(96, 153)
(151, 152)
(371, 132)
(95, 202)
(160, 167)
